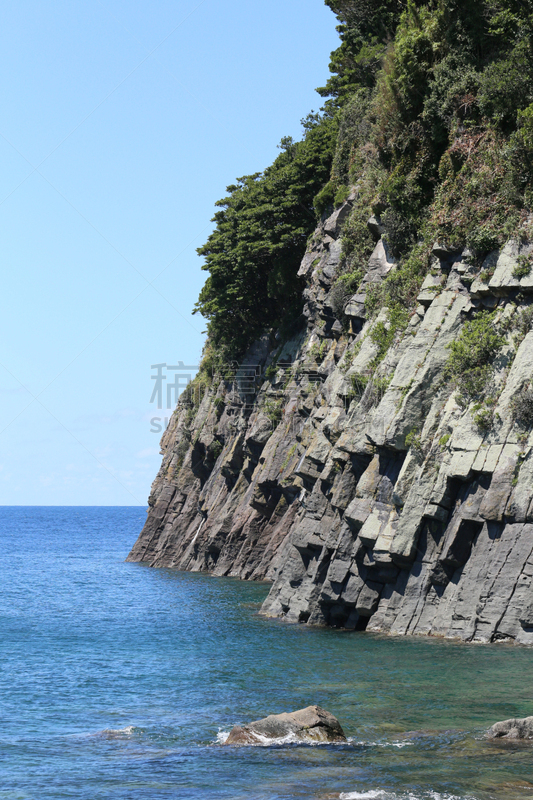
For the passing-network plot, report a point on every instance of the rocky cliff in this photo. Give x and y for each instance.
(352, 465)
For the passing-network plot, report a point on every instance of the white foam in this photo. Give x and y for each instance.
(265, 741)
(221, 736)
(362, 795)
(111, 732)
(381, 744)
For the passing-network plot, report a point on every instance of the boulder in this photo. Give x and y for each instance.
(355, 306)
(334, 223)
(380, 263)
(445, 253)
(430, 289)
(312, 724)
(512, 729)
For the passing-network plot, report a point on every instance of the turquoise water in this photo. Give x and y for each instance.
(116, 681)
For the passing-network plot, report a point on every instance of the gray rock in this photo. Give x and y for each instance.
(368, 599)
(503, 279)
(380, 263)
(310, 261)
(444, 252)
(355, 306)
(310, 725)
(512, 729)
(430, 288)
(334, 223)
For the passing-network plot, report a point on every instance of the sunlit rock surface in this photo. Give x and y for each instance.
(313, 725)
(368, 496)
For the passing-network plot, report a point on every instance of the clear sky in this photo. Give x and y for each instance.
(121, 125)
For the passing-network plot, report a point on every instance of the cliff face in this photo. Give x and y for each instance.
(342, 465)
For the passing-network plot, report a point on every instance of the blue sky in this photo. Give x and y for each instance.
(122, 123)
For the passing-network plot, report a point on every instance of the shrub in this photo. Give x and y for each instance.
(522, 407)
(215, 449)
(344, 288)
(483, 239)
(413, 440)
(443, 441)
(523, 325)
(522, 268)
(181, 452)
(324, 200)
(317, 352)
(469, 363)
(475, 347)
(341, 195)
(383, 335)
(486, 274)
(366, 172)
(354, 130)
(506, 85)
(273, 410)
(521, 152)
(399, 231)
(365, 29)
(478, 206)
(473, 381)
(401, 287)
(359, 383)
(484, 418)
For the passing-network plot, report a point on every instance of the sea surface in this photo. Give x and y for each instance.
(121, 681)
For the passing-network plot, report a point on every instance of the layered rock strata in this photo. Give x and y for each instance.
(358, 484)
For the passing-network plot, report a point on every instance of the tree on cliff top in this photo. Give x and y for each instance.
(365, 29)
(260, 237)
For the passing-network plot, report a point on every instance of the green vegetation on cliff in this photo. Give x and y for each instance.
(259, 240)
(429, 116)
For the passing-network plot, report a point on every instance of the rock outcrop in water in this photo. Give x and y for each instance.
(512, 729)
(353, 477)
(312, 724)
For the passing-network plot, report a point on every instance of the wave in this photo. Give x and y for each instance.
(290, 738)
(265, 741)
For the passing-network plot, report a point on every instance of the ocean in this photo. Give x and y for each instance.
(120, 681)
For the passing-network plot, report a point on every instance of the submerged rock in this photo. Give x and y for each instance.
(311, 724)
(512, 729)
